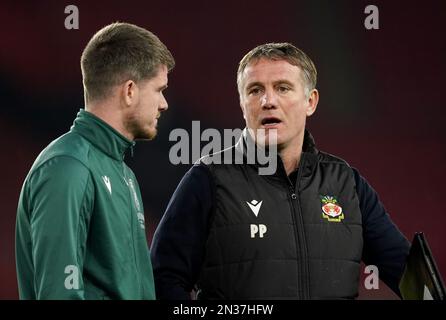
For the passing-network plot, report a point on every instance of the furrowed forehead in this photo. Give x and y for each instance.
(267, 70)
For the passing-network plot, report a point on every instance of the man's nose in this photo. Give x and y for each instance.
(163, 105)
(269, 100)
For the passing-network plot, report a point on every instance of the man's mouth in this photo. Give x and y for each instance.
(268, 122)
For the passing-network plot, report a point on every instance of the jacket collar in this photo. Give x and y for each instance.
(309, 155)
(101, 135)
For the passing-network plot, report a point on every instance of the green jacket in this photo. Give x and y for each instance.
(80, 220)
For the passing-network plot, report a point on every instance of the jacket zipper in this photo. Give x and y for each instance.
(302, 256)
(132, 230)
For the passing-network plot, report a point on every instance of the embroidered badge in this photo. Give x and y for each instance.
(331, 210)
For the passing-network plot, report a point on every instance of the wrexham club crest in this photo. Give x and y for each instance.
(331, 210)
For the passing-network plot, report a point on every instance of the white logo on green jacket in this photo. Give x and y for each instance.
(107, 183)
(139, 213)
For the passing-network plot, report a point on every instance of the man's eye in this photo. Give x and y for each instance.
(254, 91)
(283, 89)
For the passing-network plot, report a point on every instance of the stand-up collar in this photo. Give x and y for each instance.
(308, 146)
(101, 135)
(308, 157)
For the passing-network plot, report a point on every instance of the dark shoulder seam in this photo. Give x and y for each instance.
(335, 162)
(212, 176)
(79, 219)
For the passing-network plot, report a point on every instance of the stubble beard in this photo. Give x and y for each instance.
(138, 131)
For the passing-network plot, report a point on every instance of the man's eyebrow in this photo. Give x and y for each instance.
(253, 84)
(164, 87)
(283, 82)
(277, 82)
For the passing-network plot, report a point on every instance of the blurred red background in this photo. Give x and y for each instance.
(381, 105)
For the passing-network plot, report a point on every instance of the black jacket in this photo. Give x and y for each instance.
(238, 235)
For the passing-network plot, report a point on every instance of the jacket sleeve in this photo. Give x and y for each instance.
(384, 244)
(60, 194)
(179, 241)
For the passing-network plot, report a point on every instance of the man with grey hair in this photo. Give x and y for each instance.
(80, 230)
(299, 233)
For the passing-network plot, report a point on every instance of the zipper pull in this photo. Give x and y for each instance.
(293, 194)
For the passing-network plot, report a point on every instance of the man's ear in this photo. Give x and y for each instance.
(129, 92)
(243, 108)
(313, 99)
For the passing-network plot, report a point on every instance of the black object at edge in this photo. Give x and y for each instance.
(420, 271)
